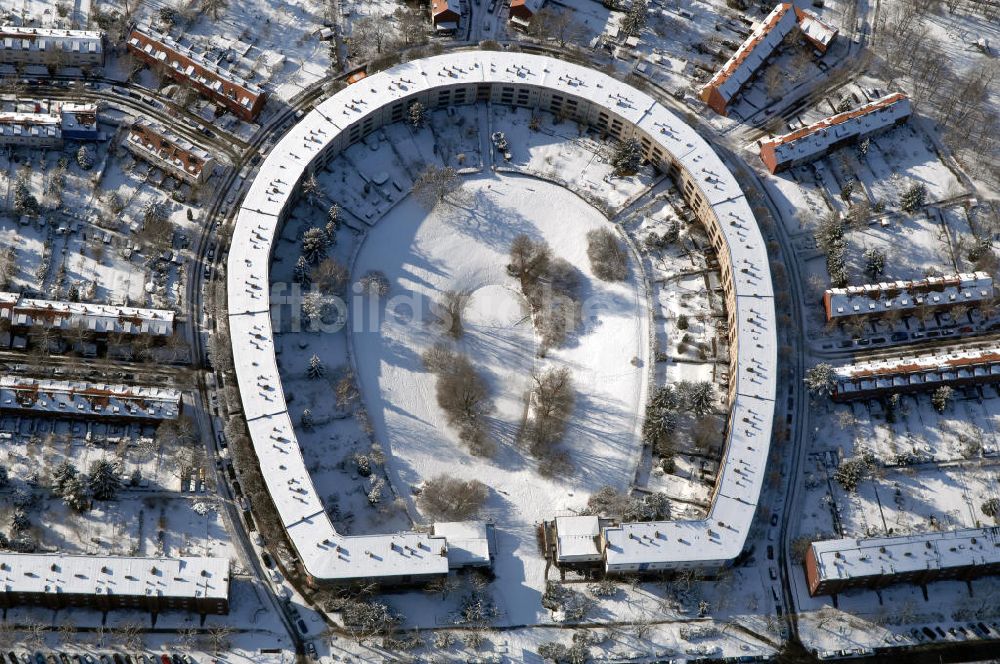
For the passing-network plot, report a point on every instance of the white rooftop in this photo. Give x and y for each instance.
(879, 556)
(817, 138)
(61, 573)
(468, 543)
(19, 394)
(904, 295)
(270, 196)
(98, 318)
(577, 538)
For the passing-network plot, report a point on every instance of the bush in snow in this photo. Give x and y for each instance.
(603, 588)
(24, 201)
(626, 157)
(330, 276)
(991, 507)
(314, 245)
(4, 477)
(634, 19)
(316, 369)
(375, 492)
(851, 473)
(552, 399)
(463, 395)
(449, 312)
(611, 503)
(104, 482)
(661, 418)
(913, 198)
(85, 157)
(19, 521)
(874, 262)
(452, 499)
(551, 287)
(434, 184)
(607, 256)
(75, 494)
(368, 618)
(697, 397)
(374, 283)
(941, 397)
(417, 114)
(821, 379)
(346, 390)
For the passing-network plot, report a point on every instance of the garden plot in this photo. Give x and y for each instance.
(272, 44)
(919, 433)
(914, 500)
(35, 446)
(464, 246)
(912, 245)
(49, 13)
(898, 158)
(334, 437)
(736, 599)
(458, 135)
(557, 151)
(355, 10)
(802, 200)
(961, 237)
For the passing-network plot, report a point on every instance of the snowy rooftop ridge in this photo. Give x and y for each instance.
(882, 297)
(98, 318)
(18, 38)
(345, 118)
(182, 62)
(67, 398)
(31, 127)
(859, 559)
(815, 139)
(948, 366)
(61, 573)
(751, 55)
(748, 58)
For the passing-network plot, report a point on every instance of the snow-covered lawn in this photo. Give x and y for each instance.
(464, 247)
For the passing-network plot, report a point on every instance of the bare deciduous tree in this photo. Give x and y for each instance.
(434, 183)
(452, 499)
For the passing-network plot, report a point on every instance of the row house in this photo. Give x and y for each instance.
(153, 144)
(815, 140)
(758, 48)
(23, 314)
(920, 373)
(59, 580)
(68, 399)
(243, 99)
(905, 296)
(49, 46)
(834, 566)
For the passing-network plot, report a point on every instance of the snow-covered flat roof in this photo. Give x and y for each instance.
(98, 318)
(72, 399)
(577, 538)
(885, 556)
(271, 195)
(905, 295)
(61, 573)
(468, 542)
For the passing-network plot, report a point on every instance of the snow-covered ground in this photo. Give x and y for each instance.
(464, 247)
